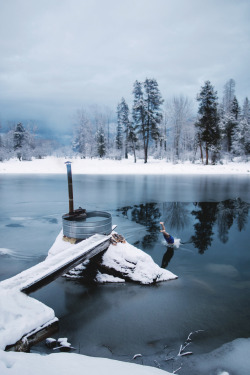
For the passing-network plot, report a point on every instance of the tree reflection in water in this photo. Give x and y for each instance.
(224, 213)
(147, 214)
(178, 215)
(206, 217)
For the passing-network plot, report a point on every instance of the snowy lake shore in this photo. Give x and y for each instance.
(55, 165)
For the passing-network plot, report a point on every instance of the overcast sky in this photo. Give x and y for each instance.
(60, 55)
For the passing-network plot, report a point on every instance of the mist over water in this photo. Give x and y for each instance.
(210, 217)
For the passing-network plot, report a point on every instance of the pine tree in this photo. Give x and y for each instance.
(246, 110)
(229, 122)
(101, 142)
(123, 123)
(208, 120)
(23, 142)
(241, 132)
(229, 94)
(18, 137)
(119, 129)
(229, 114)
(132, 138)
(147, 113)
(246, 119)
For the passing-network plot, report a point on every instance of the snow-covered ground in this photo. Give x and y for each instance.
(68, 364)
(230, 359)
(98, 166)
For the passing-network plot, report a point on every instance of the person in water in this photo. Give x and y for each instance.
(167, 236)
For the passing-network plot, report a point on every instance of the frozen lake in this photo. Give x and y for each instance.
(210, 214)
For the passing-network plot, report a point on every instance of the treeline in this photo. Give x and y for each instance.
(170, 131)
(24, 143)
(167, 130)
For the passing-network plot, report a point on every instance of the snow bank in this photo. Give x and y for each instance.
(230, 358)
(68, 363)
(19, 315)
(127, 166)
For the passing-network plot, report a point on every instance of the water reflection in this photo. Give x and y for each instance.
(176, 214)
(148, 215)
(204, 217)
(167, 257)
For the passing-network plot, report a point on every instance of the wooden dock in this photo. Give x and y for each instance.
(54, 266)
(81, 252)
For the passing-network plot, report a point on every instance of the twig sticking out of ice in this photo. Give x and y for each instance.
(175, 371)
(186, 343)
(136, 356)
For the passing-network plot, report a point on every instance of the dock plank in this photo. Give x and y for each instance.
(54, 266)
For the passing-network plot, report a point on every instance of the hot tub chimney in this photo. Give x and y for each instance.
(70, 188)
(75, 224)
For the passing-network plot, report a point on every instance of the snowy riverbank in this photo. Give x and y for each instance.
(56, 165)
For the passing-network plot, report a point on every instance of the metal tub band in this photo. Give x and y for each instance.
(82, 229)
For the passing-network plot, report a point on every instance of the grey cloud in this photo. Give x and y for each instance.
(59, 55)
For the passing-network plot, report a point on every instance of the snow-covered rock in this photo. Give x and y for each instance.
(119, 263)
(133, 264)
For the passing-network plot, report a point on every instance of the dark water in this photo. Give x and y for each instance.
(209, 214)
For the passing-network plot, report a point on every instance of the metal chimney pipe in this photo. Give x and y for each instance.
(70, 188)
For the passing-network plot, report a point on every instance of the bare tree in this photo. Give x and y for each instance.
(178, 111)
(83, 135)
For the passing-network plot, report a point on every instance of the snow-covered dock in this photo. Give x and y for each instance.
(25, 321)
(53, 267)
